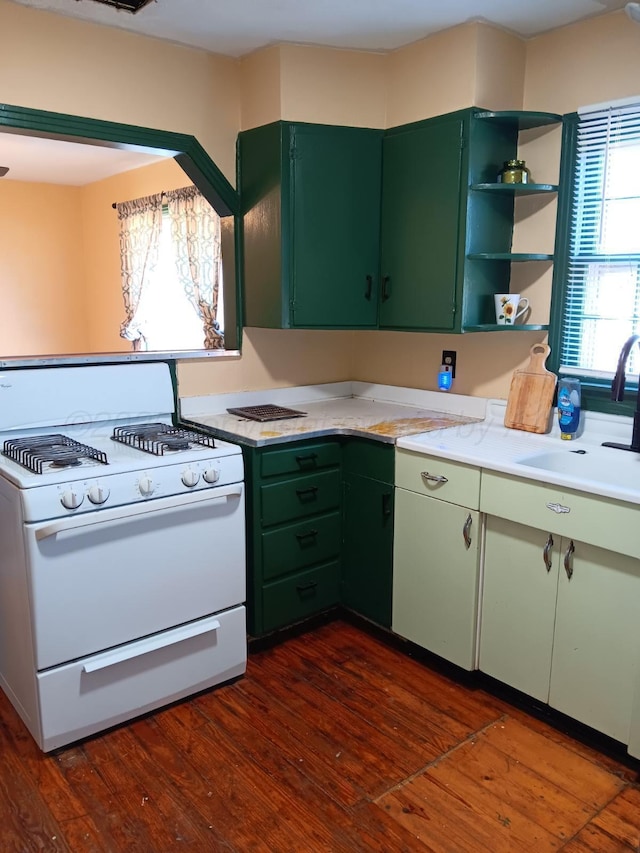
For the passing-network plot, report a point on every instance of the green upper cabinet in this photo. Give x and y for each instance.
(422, 185)
(310, 198)
(404, 229)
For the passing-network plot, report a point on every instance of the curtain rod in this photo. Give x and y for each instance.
(115, 203)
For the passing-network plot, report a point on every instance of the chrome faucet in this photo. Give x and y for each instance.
(617, 395)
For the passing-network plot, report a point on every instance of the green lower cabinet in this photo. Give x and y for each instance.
(367, 528)
(293, 532)
(319, 530)
(367, 550)
(296, 597)
(290, 547)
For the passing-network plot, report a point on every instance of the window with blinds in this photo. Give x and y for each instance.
(602, 296)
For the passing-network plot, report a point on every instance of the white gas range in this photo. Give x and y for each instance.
(122, 579)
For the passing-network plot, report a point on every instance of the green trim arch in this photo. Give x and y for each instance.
(185, 149)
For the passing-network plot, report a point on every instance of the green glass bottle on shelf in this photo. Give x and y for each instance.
(514, 172)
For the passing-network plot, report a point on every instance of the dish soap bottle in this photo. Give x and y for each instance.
(569, 407)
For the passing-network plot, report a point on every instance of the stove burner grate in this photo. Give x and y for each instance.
(159, 438)
(59, 451)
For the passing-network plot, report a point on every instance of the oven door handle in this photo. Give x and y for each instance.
(220, 493)
(151, 644)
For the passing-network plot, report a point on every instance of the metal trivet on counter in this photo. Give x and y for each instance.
(266, 412)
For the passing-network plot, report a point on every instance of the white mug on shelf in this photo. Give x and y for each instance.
(509, 306)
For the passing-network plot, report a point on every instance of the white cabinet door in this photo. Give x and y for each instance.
(435, 575)
(634, 731)
(518, 605)
(595, 652)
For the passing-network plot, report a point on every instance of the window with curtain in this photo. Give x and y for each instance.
(600, 270)
(171, 265)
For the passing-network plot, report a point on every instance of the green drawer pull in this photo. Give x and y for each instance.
(307, 587)
(308, 492)
(309, 534)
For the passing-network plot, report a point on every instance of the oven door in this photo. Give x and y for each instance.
(100, 580)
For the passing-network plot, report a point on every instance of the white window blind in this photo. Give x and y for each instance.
(602, 301)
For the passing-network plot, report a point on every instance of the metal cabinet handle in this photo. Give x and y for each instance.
(546, 553)
(308, 492)
(466, 532)
(308, 534)
(559, 508)
(434, 478)
(568, 559)
(385, 288)
(386, 505)
(368, 291)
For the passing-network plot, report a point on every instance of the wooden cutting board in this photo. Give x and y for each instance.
(531, 393)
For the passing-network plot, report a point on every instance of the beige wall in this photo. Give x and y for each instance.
(55, 63)
(586, 63)
(40, 270)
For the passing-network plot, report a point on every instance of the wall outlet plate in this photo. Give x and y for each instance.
(449, 359)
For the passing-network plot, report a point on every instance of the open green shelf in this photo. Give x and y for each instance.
(494, 327)
(516, 189)
(521, 120)
(512, 257)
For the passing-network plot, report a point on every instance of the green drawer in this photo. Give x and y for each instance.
(294, 598)
(300, 459)
(300, 496)
(286, 549)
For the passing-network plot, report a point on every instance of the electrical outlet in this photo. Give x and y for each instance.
(449, 358)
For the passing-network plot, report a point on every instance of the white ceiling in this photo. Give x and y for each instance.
(237, 27)
(52, 161)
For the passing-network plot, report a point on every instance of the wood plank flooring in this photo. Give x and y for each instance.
(333, 741)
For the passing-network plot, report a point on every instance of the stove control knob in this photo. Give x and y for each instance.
(146, 486)
(190, 477)
(98, 494)
(71, 499)
(212, 475)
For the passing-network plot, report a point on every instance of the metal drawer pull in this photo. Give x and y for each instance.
(386, 505)
(434, 478)
(568, 559)
(466, 532)
(546, 553)
(308, 457)
(309, 492)
(307, 587)
(309, 534)
(559, 508)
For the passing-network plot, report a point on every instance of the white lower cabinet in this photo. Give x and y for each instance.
(436, 557)
(560, 616)
(595, 656)
(518, 606)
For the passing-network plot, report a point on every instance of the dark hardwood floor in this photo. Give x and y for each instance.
(334, 741)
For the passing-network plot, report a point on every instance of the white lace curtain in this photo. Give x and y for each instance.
(140, 227)
(196, 241)
(195, 236)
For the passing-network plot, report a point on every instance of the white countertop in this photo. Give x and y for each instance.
(598, 470)
(466, 429)
(380, 412)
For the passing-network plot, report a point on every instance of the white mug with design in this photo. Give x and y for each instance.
(509, 306)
